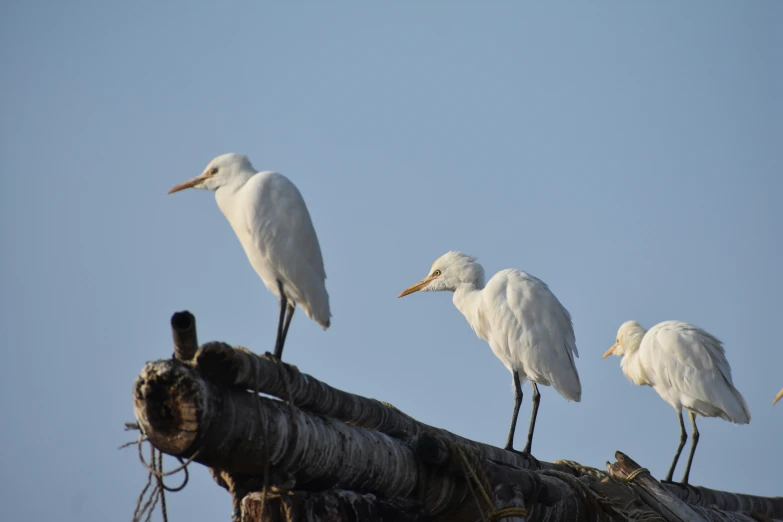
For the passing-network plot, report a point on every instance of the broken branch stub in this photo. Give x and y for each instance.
(183, 331)
(665, 502)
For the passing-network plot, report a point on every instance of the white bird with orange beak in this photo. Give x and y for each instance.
(521, 319)
(270, 218)
(688, 368)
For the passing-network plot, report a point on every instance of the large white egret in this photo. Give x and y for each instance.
(270, 218)
(688, 368)
(777, 397)
(521, 319)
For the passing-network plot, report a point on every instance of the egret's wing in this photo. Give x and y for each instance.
(283, 233)
(691, 362)
(535, 331)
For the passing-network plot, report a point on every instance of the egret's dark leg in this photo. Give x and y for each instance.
(694, 441)
(536, 400)
(517, 404)
(280, 337)
(683, 438)
(289, 314)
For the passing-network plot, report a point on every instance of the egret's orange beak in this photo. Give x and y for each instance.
(608, 352)
(191, 182)
(418, 286)
(778, 396)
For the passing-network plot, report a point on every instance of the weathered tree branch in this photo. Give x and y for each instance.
(228, 366)
(235, 432)
(187, 416)
(331, 456)
(238, 367)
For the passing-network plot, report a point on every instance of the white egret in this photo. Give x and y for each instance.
(777, 397)
(521, 319)
(270, 218)
(688, 368)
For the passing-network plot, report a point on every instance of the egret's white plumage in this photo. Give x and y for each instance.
(271, 220)
(521, 319)
(687, 367)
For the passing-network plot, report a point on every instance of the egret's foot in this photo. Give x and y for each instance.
(526, 453)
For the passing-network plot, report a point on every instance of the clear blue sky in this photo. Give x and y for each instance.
(628, 153)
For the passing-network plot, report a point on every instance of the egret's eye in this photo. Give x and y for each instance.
(436, 273)
(213, 171)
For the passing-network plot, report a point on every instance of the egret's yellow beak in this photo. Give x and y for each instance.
(418, 286)
(608, 352)
(191, 182)
(778, 396)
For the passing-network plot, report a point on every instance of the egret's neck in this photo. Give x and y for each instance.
(631, 364)
(225, 194)
(467, 299)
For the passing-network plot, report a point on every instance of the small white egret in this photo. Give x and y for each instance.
(777, 397)
(688, 368)
(270, 218)
(521, 319)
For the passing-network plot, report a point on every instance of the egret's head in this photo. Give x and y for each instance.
(629, 337)
(219, 172)
(448, 272)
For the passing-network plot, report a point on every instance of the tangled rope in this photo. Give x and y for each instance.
(599, 507)
(635, 474)
(149, 498)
